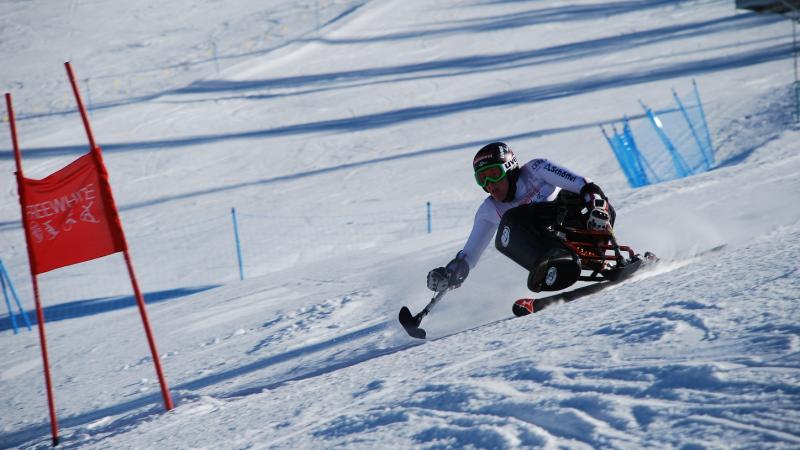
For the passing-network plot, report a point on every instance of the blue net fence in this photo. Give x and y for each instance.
(185, 258)
(663, 144)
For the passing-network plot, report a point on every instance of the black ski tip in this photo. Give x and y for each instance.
(418, 333)
(410, 323)
(406, 319)
(619, 273)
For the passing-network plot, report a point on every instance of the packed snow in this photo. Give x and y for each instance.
(329, 125)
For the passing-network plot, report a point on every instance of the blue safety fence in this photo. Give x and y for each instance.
(797, 101)
(9, 292)
(233, 244)
(626, 151)
(256, 235)
(227, 245)
(664, 144)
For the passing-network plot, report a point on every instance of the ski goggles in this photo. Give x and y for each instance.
(490, 173)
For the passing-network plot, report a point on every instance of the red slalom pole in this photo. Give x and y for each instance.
(135, 284)
(51, 404)
(150, 340)
(81, 109)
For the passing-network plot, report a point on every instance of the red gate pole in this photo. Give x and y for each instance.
(139, 298)
(39, 313)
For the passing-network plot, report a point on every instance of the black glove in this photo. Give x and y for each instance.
(438, 279)
(449, 277)
(598, 217)
(590, 192)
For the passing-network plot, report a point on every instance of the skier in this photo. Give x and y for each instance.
(522, 209)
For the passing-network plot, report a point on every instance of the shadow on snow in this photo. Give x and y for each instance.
(151, 402)
(391, 118)
(573, 13)
(471, 64)
(83, 308)
(497, 61)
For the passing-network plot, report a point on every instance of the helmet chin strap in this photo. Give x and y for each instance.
(513, 176)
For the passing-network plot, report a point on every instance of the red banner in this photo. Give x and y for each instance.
(71, 217)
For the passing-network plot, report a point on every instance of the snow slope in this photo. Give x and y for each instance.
(329, 142)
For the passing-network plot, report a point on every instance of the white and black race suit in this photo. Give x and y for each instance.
(539, 181)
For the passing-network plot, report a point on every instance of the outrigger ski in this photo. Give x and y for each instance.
(411, 322)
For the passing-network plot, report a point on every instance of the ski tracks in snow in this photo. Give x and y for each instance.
(557, 393)
(703, 348)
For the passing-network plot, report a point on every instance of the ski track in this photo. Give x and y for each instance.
(601, 404)
(605, 405)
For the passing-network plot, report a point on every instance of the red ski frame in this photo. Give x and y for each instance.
(591, 254)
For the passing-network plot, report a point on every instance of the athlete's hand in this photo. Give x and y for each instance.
(448, 277)
(599, 218)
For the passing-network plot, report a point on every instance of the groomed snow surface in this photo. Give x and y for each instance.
(329, 125)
